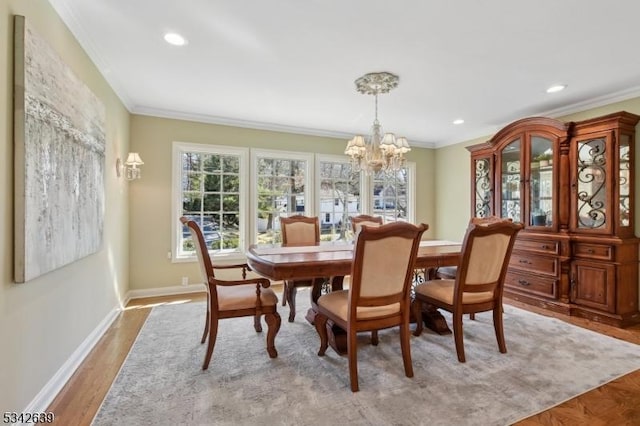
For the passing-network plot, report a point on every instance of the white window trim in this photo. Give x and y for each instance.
(176, 197)
(309, 177)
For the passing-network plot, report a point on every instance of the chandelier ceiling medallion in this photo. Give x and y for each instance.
(377, 152)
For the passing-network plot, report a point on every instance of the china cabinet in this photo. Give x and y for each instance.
(572, 186)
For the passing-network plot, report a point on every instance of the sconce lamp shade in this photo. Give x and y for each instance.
(133, 159)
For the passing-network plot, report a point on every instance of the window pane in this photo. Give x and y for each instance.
(190, 162)
(230, 183)
(211, 202)
(231, 203)
(211, 163)
(191, 182)
(191, 202)
(212, 183)
(231, 164)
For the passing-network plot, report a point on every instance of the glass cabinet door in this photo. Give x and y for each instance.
(541, 182)
(482, 194)
(511, 199)
(591, 180)
(624, 181)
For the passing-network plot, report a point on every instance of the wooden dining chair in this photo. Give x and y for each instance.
(246, 297)
(364, 219)
(479, 281)
(379, 294)
(450, 272)
(298, 231)
(356, 224)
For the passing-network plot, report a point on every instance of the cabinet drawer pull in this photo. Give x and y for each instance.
(545, 247)
(590, 251)
(525, 261)
(524, 282)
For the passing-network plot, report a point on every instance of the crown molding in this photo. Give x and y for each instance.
(255, 125)
(609, 98)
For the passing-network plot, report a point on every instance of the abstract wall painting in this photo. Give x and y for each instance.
(59, 138)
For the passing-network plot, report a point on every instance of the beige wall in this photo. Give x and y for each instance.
(43, 321)
(453, 199)
(150, 197)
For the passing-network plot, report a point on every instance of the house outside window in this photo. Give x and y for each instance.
(208, 184)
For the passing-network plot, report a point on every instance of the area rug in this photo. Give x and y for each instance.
(548, 362)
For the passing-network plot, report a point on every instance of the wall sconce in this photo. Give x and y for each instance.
(130, 167)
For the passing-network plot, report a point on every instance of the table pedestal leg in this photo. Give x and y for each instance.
(434, 320)
(337, 336)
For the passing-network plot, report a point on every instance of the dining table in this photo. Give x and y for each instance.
(332, 261)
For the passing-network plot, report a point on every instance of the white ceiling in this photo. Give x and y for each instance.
(291, 64)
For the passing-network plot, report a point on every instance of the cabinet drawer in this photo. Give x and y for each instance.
(531, 284)
(539, 246)
(593, 251)
(531, 263)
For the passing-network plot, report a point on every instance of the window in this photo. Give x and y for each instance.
(393, 194)
(281, 187)
(339, 196)
(208, 183)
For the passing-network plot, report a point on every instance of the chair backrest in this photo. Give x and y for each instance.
(300, 231)
(489, 219)
(383, 264)
(486, 251)
(206, 267)
(364, 219)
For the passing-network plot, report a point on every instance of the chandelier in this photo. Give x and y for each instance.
(377, 152)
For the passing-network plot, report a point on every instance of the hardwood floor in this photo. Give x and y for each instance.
(616, 403)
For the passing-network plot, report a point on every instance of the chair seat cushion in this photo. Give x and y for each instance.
(243, 297)
(337, 302)
(442, 290)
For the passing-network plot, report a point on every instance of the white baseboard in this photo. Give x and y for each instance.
(164, 291)
(47, 394)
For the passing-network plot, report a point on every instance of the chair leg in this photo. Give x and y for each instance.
(321, 327)
(457, 335)
(352, 353)
(291, 299)
(374, 337)
(257, 324)
(273, 325)
(472, 316)
(206, 325)
(416, 308)
(498, 326)
(284, 293)
(406, 349)
(213, 333)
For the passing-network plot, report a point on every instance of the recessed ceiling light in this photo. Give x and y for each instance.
(458, 121)
(175, 39)
(556, 88)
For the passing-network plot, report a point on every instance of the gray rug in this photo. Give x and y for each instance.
(548, 362)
